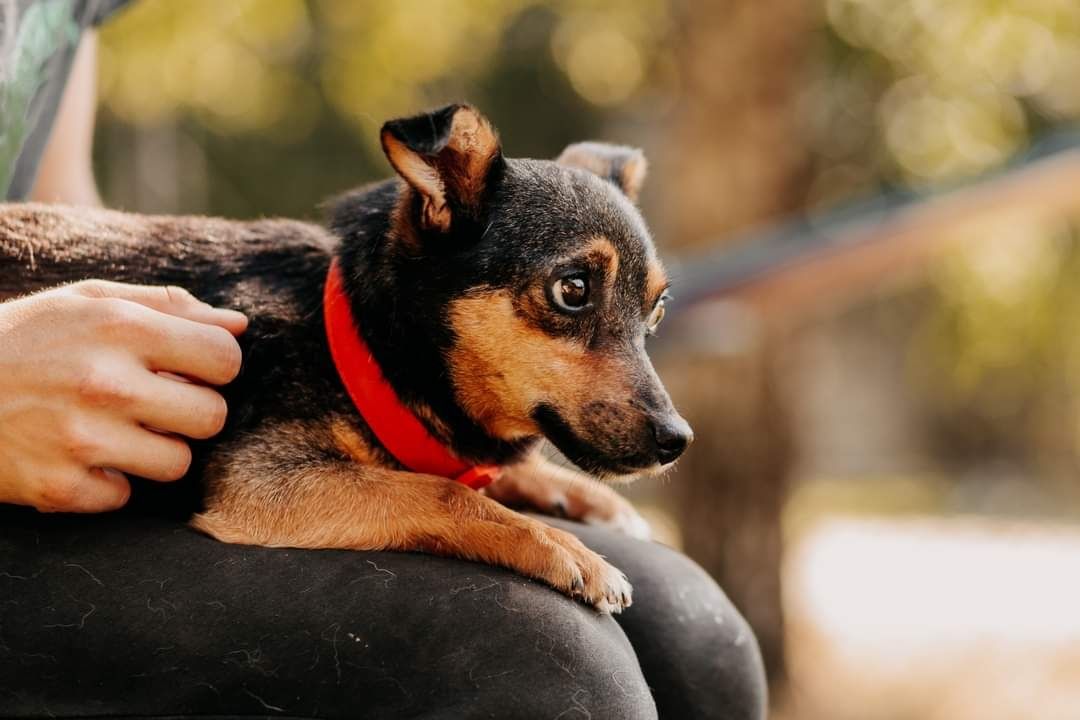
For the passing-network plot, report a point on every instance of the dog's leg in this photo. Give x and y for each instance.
(345, 505)
(540, 484)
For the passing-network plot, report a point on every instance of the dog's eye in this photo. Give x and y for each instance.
(655, 316)
(571, 292)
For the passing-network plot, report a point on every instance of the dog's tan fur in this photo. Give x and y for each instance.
(540, 483)
(344, 504)
(458, 170)
(500, 393)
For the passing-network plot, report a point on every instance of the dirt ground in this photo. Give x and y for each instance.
(929, 618)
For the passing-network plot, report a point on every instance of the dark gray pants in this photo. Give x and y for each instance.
(116, 615)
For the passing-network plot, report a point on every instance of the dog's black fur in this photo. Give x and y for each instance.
(514, 227)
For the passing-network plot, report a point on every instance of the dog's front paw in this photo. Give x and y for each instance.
(619, 515)
(577, 571)
(574, 497)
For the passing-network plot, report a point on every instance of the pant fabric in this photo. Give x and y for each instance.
(124, 616)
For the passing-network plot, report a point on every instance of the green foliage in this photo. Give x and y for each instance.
(284, 97)
(922, 91)
(998, 360)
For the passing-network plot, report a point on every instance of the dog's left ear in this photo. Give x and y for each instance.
(623, 166)
(446, 156)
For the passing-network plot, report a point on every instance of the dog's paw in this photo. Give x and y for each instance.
(583, 500)
(620, 515)
(582, 574)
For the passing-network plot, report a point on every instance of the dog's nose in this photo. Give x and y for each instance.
(672, 435)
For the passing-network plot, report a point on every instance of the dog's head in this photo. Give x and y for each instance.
(549, 285)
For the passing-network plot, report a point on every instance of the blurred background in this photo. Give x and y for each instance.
(870, 212)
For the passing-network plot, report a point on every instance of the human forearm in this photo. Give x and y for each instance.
(65, 174)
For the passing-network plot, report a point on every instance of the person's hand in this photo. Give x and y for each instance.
(94, 384)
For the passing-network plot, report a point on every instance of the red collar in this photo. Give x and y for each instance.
(397, 428)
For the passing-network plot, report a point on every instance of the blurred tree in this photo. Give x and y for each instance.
(734, 152)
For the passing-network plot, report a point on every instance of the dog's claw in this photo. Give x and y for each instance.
(577, 571)
(578, 585)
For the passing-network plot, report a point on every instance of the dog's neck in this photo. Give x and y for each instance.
(403, 326)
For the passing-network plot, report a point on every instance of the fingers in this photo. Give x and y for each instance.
(178, 407)
(168, 327)
(106, 490)
(168, 299)
(85, 491)
(137, 451)
(196, 350)
(112, 449)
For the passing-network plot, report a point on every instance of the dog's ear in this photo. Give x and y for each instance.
(447, 156)
(623, 166)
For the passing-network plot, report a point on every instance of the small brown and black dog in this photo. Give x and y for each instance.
(504, 300)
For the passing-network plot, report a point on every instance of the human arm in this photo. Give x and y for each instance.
(81, 400)
(65, 174)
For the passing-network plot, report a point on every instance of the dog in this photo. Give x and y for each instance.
(435, 329)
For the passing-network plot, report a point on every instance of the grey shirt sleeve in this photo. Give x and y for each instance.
(38, 40)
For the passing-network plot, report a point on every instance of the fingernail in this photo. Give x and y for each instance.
(236, 314)
(241, 320)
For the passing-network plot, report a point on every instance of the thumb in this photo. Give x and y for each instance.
(168, 299)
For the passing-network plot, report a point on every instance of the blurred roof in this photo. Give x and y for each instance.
(820, 258)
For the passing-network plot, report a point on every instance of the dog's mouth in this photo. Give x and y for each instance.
(590, 457)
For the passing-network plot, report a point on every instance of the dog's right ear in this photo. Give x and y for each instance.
(446, 156)
(622, 166)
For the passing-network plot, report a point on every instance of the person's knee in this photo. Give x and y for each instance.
(577, 663)
(705, 634)
(488, 645)
(745, 688)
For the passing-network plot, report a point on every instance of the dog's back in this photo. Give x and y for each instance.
(46, 245)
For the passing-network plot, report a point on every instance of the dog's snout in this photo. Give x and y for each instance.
(672, 435)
